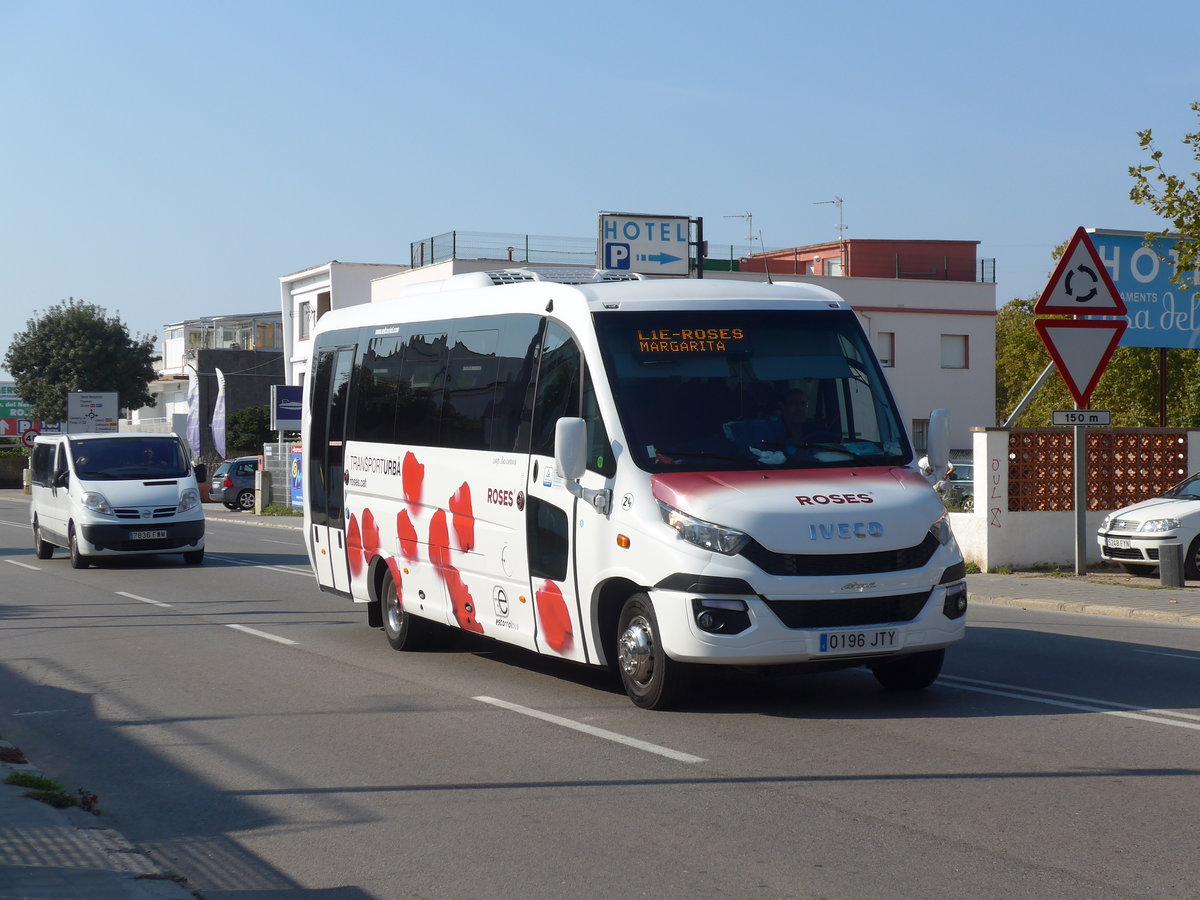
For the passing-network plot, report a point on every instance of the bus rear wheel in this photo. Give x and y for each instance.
(404, 630)
(651, 678)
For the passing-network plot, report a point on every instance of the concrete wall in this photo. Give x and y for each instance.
(993, 536)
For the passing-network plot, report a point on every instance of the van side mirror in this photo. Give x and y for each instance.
(62, 479)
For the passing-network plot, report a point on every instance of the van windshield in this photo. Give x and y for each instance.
(712, 390)
(120, 458)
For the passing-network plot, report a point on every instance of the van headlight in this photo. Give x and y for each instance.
(708, 535)
(96, 503)
(188, 499)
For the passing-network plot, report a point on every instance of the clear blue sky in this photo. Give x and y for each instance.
(166, 160)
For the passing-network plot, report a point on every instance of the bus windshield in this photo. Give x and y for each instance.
(712, 390)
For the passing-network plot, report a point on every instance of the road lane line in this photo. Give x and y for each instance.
(1069, 701)
(262, 634)
(286, 570)
(24, 565)
(144, 599)
(1191, 656)
(593, 731)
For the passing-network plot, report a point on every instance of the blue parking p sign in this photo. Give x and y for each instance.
(616, 256)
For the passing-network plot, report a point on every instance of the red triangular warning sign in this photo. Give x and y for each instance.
(1081, 285)
(1080, 350)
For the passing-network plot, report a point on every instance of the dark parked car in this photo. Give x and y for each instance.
(233, 482)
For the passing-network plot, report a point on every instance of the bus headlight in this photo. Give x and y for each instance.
(940, 529)
(708, 535)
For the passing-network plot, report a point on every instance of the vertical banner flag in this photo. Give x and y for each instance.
(193, 411)
(218, 419)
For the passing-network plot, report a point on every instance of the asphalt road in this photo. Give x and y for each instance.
(258, 738)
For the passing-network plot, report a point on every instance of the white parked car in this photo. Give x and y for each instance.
(1133, 535)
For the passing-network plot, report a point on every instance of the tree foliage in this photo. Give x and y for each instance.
(247, 430)
(77, 346)
(1174, 198)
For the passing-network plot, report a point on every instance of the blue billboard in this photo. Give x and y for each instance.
(1159, 313)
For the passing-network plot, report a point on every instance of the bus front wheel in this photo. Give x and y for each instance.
(651, 678)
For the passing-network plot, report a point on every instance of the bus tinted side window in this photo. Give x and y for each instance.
(422, 380)
(557, 387)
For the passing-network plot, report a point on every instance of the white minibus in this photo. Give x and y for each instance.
(646, 474)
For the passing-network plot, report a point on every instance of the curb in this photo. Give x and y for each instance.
(1095, 609)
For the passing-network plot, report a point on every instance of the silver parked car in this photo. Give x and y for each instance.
(233, 482)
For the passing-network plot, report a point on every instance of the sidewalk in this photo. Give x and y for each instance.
(50, 854)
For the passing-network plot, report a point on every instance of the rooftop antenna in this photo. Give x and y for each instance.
(836, 201)
(749, 217)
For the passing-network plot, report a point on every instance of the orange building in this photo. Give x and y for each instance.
(866, 258)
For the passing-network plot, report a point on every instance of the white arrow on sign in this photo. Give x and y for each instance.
(1080, 350)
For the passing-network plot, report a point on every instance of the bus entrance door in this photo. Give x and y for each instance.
(325, 486)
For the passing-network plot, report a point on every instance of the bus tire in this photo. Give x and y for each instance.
(651, 678)
(910, 673)
(404, 630)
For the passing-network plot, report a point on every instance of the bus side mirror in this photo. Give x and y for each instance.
(570, 458)
(938, 439)
(570, 447)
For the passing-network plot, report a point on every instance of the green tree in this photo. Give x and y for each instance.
(77, 346)
(247, 430)
(1174, 198)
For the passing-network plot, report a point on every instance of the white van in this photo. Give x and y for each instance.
(115, 495)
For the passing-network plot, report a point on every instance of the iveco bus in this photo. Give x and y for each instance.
(646, 474)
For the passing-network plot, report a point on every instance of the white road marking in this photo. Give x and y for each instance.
(595, 732)
(1192, 656)
(1070, 701)
(144, 599)
(286, 570)
(262, 634)
(24, 565)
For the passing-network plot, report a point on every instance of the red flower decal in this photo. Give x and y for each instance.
(370, 536)
(461, 601)
(464, 517)
(407, 533)
(439, 540)
(412, 473)
(354, 546)
(553, 618)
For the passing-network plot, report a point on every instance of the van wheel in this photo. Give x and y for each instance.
(40, 547)
(78, 560)
(194, 557)
(245, 500)
(651, 678)
(910, 673)
(404, 630)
